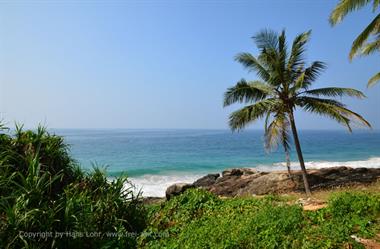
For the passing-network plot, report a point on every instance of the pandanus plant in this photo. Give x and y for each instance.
(284, 85)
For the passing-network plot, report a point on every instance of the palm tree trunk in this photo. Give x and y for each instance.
(299, 153)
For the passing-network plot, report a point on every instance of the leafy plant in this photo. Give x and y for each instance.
(47, 201)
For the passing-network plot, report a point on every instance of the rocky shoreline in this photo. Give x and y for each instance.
(249, 182)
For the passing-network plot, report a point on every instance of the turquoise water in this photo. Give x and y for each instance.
(156, 158)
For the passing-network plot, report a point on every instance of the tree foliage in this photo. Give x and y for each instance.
(368, 41)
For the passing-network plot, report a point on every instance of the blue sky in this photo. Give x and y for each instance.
(159, 64)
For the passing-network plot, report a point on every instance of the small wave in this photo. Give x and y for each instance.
(156, 185)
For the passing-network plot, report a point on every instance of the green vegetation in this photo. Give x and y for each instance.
(284, 85)
(361, 45)
(47, 201)
(198, 219)
(44, 194)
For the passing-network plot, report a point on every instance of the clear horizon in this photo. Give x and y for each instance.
(343, 129)
(144, 64)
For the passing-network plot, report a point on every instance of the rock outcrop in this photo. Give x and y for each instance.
(177, 189)
(247, 182)
(207, 180)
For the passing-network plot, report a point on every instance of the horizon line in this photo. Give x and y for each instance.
(211, 129)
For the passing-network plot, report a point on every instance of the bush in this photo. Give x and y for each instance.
(24, 148)
(44, 194)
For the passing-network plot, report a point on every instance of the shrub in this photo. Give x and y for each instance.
(51, 153)
(45, 194)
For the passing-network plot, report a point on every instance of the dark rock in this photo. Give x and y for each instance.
(238, 172)
(342, 176)
(206, 180)
(240, 182)
(268, 183)
(251, 184)
(176, 189)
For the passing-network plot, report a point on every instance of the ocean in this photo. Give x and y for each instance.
(155, 159)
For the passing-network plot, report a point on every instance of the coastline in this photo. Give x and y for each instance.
(155, 185)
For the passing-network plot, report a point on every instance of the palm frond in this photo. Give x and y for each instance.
(335, 92)
(252, 64)
(372, 81)
(245, 92)
(271, 59)
(286, 140)
(274, 60)
(278, 133)
(266, 39)
(325, 109)
(375, 5)
(309, 75)
(266, 122)
(296, 58)
(343, 8)
(303, 79)
(248, 114)
(282, 50)
(332, 109)
(371, 47)
(372, 28)
(314, 70)
(299, 81)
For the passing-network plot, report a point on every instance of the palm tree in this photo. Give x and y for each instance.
(361, 46)
(284, 85)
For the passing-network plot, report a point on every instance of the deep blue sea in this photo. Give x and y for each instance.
(154, 159)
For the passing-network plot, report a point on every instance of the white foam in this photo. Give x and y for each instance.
(156, 185)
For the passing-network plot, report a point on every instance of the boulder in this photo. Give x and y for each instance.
(177, 189)
(238, 172)
(206, 180)
(266, 184)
